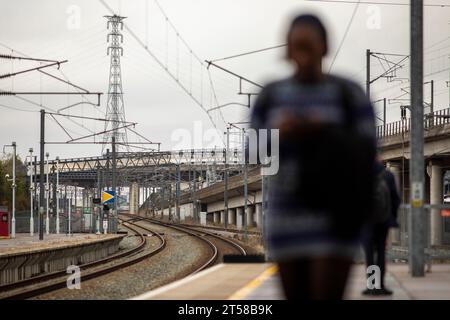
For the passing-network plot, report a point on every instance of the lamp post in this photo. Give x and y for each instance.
(47, 195)
(244, 222)
(31, 192)
(416, 175)
(70, 215)
(57, 195)
(13, 186)
(41, 176)
(225, 196)
(13, 209)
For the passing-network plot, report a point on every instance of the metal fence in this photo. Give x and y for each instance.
(398, 246)
(437, 118)
(86, 222)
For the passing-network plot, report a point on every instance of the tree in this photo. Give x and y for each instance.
(22, 183)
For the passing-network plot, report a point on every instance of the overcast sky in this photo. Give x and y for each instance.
(76, 31)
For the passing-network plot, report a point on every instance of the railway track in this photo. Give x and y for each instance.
(48, 282)
(215, 228)
(44, 283)
(214, 251)
(218, 244)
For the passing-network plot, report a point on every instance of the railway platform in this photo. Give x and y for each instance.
(260, 281)
(26, 256)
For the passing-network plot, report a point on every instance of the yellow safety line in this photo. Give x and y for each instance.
(255, 283)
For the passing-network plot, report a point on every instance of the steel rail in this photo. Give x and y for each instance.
(212, 259)
(133, 253)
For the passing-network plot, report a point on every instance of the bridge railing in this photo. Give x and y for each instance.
(393, 128)
(437, 118)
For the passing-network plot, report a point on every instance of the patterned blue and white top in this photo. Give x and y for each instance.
(291, 230)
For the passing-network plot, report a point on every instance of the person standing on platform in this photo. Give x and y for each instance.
(321, 195)
(386, 204)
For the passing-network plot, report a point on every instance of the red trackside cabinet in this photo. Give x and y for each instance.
(4, 222)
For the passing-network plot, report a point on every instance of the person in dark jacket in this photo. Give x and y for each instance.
(374, 241)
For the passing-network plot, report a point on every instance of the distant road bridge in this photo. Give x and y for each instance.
(136, 166)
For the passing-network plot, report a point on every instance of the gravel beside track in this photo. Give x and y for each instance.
(182, 255)
(253, 245)
(130, 241)
(44, 283)
(226, 244)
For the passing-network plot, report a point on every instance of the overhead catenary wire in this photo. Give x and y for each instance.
(40, 103)
(89, 118)
(214, 95)
(57, 113)
(62, 73)
(176, 31)
(400, 84)
(250, 52)
(61, 126)
(42, 106)
(437, 43)
(436, 72)
(378, 3)
(349, 24)
(28, 56)
(184, 74)
(140, 135)
(18, 109)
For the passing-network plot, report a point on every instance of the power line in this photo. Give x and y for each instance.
(40, 105)
(17, 109)
(53, 110)
(436, 72)
(250, 52)
(425, 75)
(345, 35)
(436, 50)
(90, 118)
(192, 53)
(436, 43)
(27, 56)
(177, 33)
(215, 98)
(210, 63)
(378, 3)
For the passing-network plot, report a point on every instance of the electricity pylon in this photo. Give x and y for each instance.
(115, 111)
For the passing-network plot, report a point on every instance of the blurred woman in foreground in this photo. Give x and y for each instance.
(321, 195)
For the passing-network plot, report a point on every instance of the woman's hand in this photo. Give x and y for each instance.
(291, 125)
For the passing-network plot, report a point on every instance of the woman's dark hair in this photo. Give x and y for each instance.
(312, 21)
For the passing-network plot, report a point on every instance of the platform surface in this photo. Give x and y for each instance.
(253, 281)
(24, 243)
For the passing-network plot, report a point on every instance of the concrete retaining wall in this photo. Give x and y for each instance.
(18, 266)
